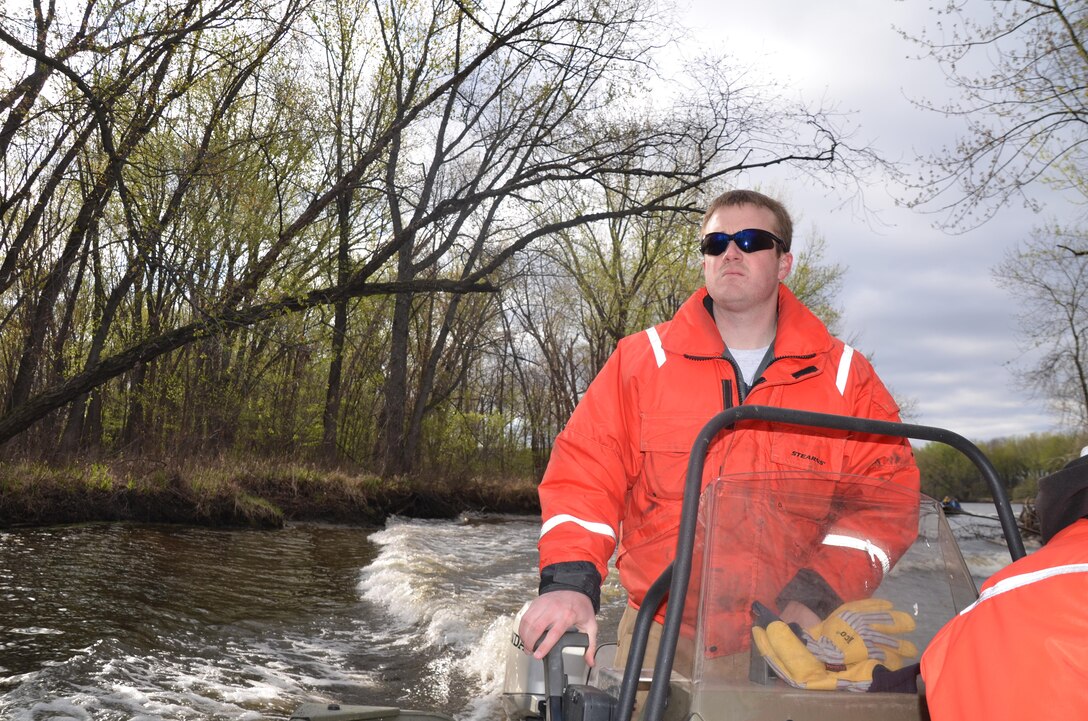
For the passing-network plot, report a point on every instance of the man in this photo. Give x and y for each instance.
(616, 474)
(1021, 650)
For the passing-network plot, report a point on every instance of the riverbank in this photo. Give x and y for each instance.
(257, 494)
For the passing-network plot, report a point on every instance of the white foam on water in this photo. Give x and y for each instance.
(487, 658)
(984, 565)
(454, 586)
(443, 578)
(35, 631)
(483, 708)
(236, 682)
(486, 664)
(56, 710)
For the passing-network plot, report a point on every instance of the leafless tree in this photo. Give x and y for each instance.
(1051, 282)
(1022, 69)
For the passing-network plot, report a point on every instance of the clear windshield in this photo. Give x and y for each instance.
(817, 539)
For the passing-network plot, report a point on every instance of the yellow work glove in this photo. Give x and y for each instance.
(861, 630)
(794, 663)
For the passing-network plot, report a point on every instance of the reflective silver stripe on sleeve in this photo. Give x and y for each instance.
(1025, 579)
(602, 528)
(655, 343)
(876, 553)
(844, 369)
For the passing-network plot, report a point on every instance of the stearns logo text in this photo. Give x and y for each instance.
(807, 457)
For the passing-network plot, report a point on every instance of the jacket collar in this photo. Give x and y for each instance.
(692, 331)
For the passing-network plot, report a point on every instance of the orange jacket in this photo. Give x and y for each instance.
(616, 473)
(1021, 650)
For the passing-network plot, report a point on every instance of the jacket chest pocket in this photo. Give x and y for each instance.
(666, 441)
(812, 451)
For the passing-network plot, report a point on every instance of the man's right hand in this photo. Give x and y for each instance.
(552, 614)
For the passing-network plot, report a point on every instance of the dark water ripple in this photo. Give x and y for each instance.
(121, 621)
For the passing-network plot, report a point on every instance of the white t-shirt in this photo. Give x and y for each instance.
(748, 361)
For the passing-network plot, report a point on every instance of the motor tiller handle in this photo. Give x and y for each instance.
(554, 678)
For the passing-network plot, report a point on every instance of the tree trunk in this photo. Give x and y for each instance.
(331, 416)
(391, 427)
(426, 387)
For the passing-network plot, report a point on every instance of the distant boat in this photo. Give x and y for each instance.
(951, 506)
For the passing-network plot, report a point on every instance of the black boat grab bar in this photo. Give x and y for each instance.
(679, 571)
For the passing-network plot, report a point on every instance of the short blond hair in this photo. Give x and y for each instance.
(732, 198)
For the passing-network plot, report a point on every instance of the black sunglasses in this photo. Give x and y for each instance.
(749, 240)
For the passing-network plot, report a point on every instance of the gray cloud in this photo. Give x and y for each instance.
(941, 333)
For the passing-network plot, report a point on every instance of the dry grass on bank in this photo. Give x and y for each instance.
(229, 492)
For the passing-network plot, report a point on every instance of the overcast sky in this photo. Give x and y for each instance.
(922, 303)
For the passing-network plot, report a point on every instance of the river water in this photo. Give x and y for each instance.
(146, 622)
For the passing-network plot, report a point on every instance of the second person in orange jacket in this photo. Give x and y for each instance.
(1021, 650)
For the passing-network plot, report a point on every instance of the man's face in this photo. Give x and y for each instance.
(739, 281)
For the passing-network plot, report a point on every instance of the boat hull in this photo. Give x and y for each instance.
(343, 712)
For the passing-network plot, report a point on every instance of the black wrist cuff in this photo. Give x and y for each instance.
(581, 576)
(810, 589)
